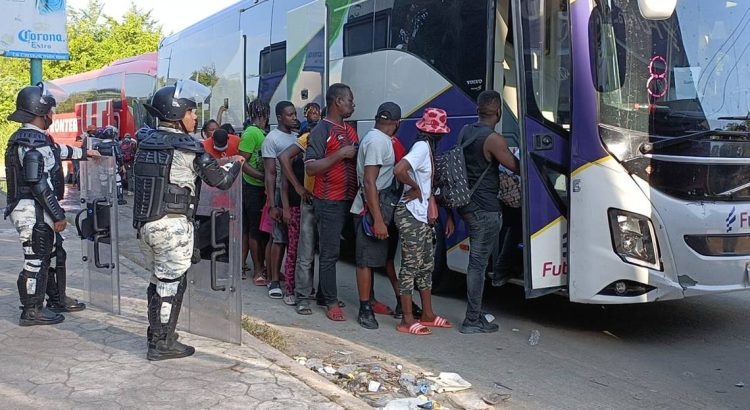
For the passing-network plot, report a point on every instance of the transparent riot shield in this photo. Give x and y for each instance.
(212, 306)
(97, 226)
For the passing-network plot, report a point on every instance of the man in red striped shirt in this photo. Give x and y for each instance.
(331, 159)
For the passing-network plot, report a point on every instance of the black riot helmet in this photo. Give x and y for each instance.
(170, 103)
(36, 101)
(107, 133)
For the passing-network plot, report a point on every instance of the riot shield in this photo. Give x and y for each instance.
(213, 301)
(97, 227)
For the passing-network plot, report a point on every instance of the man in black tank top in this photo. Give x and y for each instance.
(482, 215)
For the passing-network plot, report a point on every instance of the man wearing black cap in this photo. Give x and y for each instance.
(222, 144)
(373, 206)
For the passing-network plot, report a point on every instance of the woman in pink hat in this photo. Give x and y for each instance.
(415, 216)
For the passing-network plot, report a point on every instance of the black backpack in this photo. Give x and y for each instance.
(451, 187)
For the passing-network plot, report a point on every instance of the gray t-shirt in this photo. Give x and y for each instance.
(275, 143)
(375, 148)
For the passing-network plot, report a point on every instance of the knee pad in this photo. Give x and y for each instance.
(42, 239)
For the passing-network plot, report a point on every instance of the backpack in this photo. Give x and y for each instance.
(127, 146)
(451, 187)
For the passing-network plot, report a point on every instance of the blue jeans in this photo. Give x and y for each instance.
(303, 273)
(331, 220)
(484, 228)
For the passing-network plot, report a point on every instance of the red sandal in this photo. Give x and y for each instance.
(416, 329)
(438, 322)
(381, 309)
(260, 278)
(336, 314)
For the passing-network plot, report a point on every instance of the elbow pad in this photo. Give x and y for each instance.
(33, 167)
(43, 194)
(212, 174)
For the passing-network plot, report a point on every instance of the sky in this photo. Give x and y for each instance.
(173, 15)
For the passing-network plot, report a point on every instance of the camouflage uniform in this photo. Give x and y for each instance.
(167, 243)
(417, 252)
(169, 166)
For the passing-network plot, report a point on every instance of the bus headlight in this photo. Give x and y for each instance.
(634, 238)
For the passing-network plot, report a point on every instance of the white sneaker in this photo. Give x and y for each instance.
(290, 300)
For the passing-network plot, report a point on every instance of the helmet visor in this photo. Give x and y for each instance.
(52, 94)
(192, 90)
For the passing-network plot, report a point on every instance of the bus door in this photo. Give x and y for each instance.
(97, 113)
(541, 37)
(306, 54)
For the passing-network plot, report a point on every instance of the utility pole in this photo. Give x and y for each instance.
(36, 70)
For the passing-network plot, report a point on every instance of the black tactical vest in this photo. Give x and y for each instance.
(154, 196)
(18, 189)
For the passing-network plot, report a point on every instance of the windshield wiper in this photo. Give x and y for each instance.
(650, 147)
(730, 193)
(745, 117)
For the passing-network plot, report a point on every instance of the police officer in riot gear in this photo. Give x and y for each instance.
(169, 167)
(35, 184)
(109, 146)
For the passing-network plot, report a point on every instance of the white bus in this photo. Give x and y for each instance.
(630, 115)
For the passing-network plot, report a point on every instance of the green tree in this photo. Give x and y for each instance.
(94, 40)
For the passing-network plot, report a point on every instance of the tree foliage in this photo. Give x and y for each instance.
(94, 40)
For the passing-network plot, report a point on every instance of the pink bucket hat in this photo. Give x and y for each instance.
(434, 121)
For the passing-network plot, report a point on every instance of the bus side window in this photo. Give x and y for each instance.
(272, 71)
(442, 34)
(366, 33)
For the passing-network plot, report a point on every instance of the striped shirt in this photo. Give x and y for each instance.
(338, 183)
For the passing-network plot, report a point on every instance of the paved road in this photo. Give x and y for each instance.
(97, 360)
(674, 355)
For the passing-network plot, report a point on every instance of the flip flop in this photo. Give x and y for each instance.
(416, 329)
(260, 280)
(275, 292)
(381, 308)
(438, 322)
(336, 314)
(304, 310)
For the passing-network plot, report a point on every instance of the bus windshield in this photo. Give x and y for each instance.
(675, 76)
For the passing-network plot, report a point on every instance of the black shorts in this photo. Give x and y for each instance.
(253, 201)
(372, 252)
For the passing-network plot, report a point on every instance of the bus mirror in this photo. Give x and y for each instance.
(657, 9)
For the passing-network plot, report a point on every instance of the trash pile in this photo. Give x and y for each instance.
(387, 386)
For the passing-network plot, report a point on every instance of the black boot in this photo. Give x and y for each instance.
(33, 312)
(163, 343)
(149, 334)
(67, 305)
(38, 316)
(57, 301)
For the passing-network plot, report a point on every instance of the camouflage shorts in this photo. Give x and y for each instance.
(417, 252)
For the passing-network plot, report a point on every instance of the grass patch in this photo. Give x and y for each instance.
(264, 332)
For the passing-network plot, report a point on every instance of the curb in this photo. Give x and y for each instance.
(305, 375)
